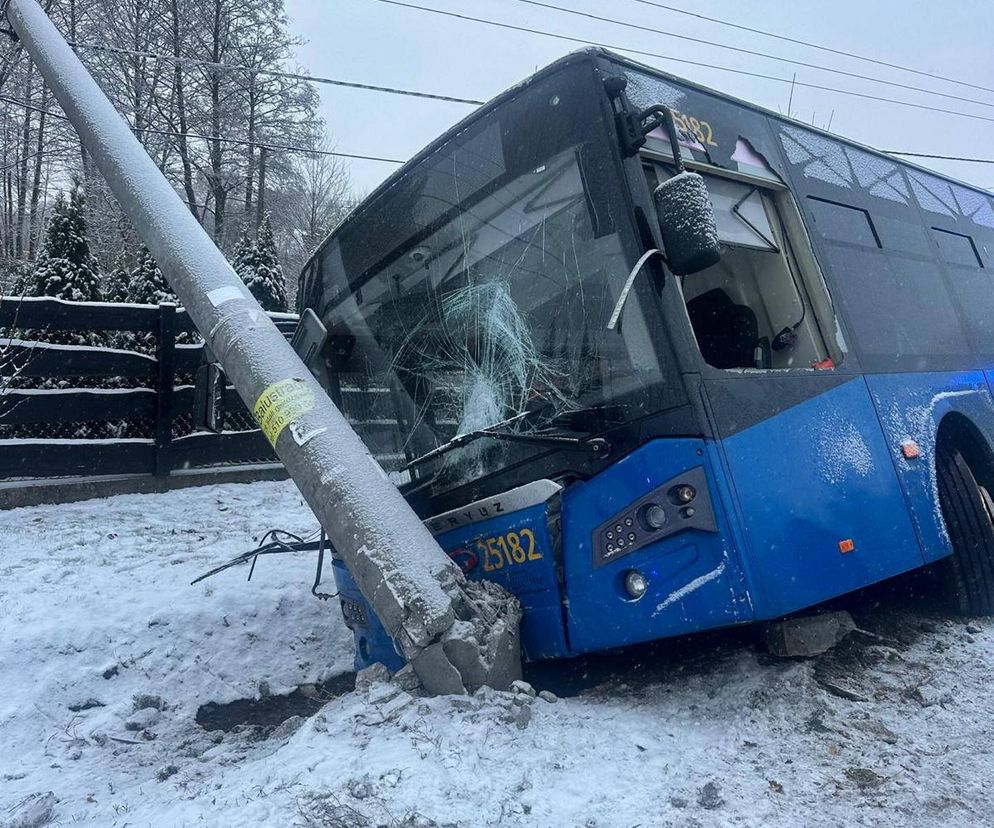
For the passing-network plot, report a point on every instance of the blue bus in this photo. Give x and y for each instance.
(638, 449)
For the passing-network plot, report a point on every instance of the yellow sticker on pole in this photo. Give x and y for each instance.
(281, 404)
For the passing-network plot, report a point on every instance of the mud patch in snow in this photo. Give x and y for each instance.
(269, 711)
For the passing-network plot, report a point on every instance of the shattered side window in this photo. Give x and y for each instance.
(948, 199)
(848, 167)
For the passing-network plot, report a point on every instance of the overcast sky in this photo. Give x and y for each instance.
(369, 41)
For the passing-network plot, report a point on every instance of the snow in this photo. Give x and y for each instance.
(692, 586)
(702, 733)
(843, 452)
(30, 345)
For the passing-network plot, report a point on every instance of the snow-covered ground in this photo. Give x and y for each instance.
(107, 652)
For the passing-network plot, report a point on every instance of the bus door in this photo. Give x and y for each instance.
(809, 468)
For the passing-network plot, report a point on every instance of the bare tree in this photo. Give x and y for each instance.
(173, 70)
(322, 197)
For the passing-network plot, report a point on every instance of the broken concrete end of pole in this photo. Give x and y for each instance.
(415, 589)
(474, 642)
(481, 647)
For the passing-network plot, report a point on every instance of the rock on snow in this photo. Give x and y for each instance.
(106, 653)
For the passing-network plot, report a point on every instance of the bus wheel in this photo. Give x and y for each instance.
(968, 511)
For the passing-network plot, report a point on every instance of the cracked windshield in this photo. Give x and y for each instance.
(495, 305)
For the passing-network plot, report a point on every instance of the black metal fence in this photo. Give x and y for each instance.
(107, 389)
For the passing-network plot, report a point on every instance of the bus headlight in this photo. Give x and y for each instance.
(635, 584)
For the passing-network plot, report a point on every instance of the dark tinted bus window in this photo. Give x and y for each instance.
(956, 249)
(974, 291)
(842, 223)
(899, 308)
(901, 236)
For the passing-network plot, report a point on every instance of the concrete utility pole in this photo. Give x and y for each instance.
(457, 635)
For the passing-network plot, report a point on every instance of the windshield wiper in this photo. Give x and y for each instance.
(595, 445)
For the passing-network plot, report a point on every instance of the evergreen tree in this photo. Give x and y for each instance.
(244, 253)
(67, 269)
(116, 287)
(22, 281)
(259, 267)
(147, 284)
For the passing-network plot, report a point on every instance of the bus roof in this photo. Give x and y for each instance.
(594, 53)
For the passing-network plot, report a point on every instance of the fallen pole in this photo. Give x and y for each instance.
(456, 634)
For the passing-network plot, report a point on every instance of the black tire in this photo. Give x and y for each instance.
(968, 511)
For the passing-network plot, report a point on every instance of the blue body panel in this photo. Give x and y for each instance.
(806, 479)
(694, 577)
(535, 582)
(784, 492)
(372, 644)
(911, 406)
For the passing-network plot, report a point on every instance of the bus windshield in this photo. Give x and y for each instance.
(480, 287)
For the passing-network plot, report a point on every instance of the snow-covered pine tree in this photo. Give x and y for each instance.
(243, 256)
(147, 284)
(259, 267)
(21, 281)
(116, 286)
(67, 269)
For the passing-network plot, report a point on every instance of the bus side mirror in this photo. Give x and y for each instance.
(687, 223)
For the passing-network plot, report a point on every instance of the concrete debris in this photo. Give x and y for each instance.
(864, 778)
(143, 719)
(520, 687)
(840, 689)
(35, 811)
(546, 696)
(392, 708)
(709, 796)
(406, 679)
(145, 700)
(437, 674)
(382, 692)
(370, 675)
(89, 704)
(286, 729)
(810, 635)
(519, 715)
(163, 773)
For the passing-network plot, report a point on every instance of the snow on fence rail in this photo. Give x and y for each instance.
(51, 388)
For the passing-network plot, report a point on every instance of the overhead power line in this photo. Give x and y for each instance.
(818, 66)
(940, 157)
(811, 45)
(233, 67)
(777, 79)
(274, 73)
(220, 139)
